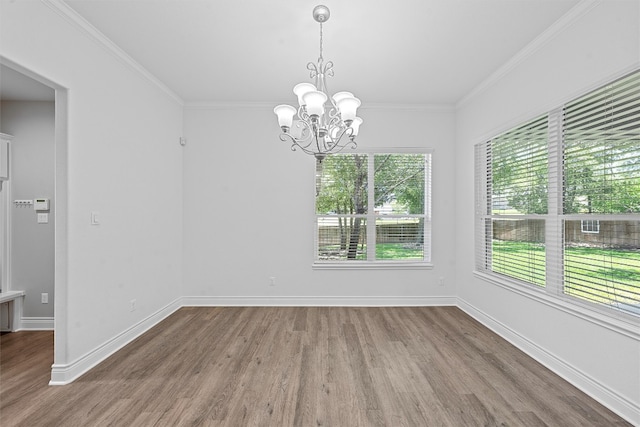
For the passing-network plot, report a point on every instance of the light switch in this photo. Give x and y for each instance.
(43, 218)
(95, 218)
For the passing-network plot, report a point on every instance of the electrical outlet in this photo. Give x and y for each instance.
(44, 298)
(442, 281)
(95, 218)
(132, 305)
(272, 281)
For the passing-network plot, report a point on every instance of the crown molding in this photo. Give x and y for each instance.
(73, 17)
(211, 105)
(536, 44)
(218, 105)
(428, 108)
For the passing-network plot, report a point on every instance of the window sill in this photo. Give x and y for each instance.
(622, 323)
(369, 265)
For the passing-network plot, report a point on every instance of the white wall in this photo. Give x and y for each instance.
(31, 176)
(249, 211)
(239, 209)
(598, 45)
(123, 161)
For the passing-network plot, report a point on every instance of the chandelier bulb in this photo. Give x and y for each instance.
(341, 95)
(301, 89)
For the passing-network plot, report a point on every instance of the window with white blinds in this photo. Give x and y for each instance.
(514, 172)
(388, 221)
(601, 189)
(558, 200)
(601, 163)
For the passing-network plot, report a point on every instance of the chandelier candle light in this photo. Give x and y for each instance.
(323, 125)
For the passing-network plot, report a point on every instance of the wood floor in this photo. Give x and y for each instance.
(288, 366)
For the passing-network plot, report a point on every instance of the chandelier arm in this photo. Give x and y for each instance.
(328, 69)
(351, 144)
(306, 137)
(313, 70)
(303, 115)
(295, 143)
(332, 111)
(306, 132)
(344, 140)
(335, 122)
(350, 140)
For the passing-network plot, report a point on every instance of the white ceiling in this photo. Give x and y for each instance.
(385, 52)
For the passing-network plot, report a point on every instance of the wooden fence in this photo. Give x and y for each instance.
(385, 233)
(619, 234)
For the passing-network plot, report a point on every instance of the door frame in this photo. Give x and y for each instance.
(60, 202)
(5, 230)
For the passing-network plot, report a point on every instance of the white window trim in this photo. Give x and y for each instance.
(371, 265)
(616, 321)
(552, 294)
(383, 264)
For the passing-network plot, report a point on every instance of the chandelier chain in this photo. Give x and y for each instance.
(321, 40)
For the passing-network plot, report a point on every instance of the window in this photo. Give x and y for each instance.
(590, 226)
(388, 222)
(558, 200)
(516, 196)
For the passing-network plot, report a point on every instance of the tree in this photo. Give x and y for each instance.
(400, 177)
(520, 170)
(601, 176)
(342, 189)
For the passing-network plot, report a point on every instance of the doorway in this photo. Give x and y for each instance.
(21, 85)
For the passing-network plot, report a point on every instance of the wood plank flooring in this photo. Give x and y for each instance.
(297, 366)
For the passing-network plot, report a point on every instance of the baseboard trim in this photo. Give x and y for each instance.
(65, 374)
(288, 301)
(603, 394)
(62, 374)
(36, 324)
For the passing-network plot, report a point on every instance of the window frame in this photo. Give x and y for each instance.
(592, 226)
(370, 216)
(553, 294)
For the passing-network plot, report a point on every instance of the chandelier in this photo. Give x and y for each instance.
(321, 125)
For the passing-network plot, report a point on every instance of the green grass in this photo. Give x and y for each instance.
(520, 260)
(384, 251)
(398, 251)
(597, 274)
